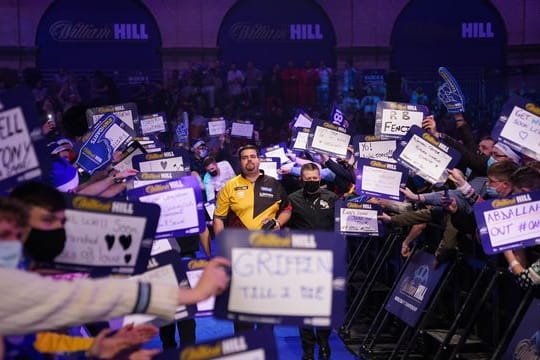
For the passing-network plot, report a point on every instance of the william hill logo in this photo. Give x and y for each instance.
(276, 32)
(65, 30)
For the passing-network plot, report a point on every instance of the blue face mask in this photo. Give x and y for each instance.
(10, 253)
(491, 193)
(491, 161)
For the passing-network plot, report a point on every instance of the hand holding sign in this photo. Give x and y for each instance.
(214, 280)
(450, 93)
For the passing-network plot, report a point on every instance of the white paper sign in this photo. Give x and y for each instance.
(331, 141)
(117, 136)
(126, 163)
(278, 153)
(217, 127)
(193, 277)
(358, 220)
(178, 209)
(17, 154)
(513, 224)
(262, 278)
(302, 121)
(428, 159)
(301, 140)
(117, 242)
(257, 354)
(152, 124)
(523, 128)
(242, 130)
(377, 150)
(171, 164)
(397, 123)
(159, 246)
(270, 168)
(124, 115)
(164, 275)
(379, 180)
(210, 207)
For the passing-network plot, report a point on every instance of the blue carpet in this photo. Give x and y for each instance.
(287, 338)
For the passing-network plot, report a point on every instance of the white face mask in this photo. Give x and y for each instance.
(10, 253)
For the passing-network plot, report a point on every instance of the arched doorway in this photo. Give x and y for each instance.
(275, 31)
(120, 37)
(466, 36)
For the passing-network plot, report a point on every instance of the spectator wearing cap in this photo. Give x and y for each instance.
(198, 152)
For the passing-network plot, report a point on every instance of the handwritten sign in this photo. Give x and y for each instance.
(519, 126)
(270, 166)
(393, 120)
(127, 155)
(165, 268)
(250, 345)
(380, 179)
(126, 112)
(276, 151)
(153, 123)
(304, 270)
(124, 240)
(23, 154)
(357, 219)
(509, 223)
(415, 287)
(181, 205)
(525, 343)
(329, 139)
(192, 270)
(302, 120)
(426, 156)
(300, 138)
(108, 135)
(242, 129)
(375, 149)
(169, 161)
(217, 127)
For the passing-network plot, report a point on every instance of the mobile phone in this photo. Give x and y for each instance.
(269, 225)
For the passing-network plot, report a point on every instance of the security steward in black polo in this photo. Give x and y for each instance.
(313, 209)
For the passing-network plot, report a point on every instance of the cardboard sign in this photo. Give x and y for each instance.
(169, 161)
(23, 152)
(276, 151)
(242, 129)
(352, 218)
(126, 112)
(108, 135)
(153, 124)
(300, 138)
(525, 343)
(192, 272)
(148, 178)
(250, 345)
(393, 120)
(181, 205)
(121, 246)
(329, 139)
(426, 156)
(518, 126)
(302, 120)
(509, 223)
(305, 271)
(380, 179)
(165, 268)
(372, 147)
(338, 118)
(270, 166)
(125, 161)
(415, 287)
(217, 127)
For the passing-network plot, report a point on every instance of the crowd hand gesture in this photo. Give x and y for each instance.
(109, 347)
(48, 127)
(449, 204)
(384, 217)
(214, 279)
(124, 174)
(291, 155)
(430, 125)
(284, 170)
(409, 195)
(405, 250)
(457, 177)
(324, 158)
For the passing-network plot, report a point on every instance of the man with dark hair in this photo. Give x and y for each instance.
(251, 200)
(313, 209)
